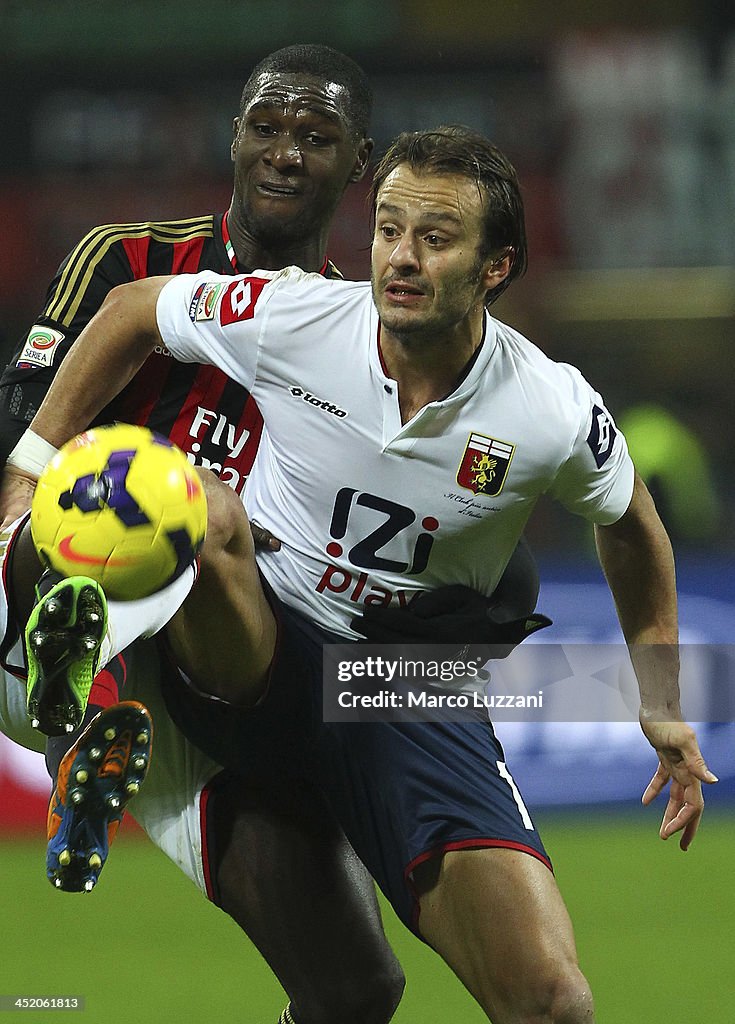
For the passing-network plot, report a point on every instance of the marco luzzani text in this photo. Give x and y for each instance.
(380, 670)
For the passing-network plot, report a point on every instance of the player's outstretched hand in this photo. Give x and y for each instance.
(453, 614)
(681, 763)
(16, 493)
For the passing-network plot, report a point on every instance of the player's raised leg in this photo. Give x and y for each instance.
(497, 918)
(224, 635)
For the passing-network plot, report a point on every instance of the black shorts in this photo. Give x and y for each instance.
(402, 791)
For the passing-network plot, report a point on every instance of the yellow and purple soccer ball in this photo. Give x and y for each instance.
(122, 505)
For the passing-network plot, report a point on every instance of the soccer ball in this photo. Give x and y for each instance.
(121, 505)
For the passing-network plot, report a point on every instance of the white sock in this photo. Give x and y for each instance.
(129, 620)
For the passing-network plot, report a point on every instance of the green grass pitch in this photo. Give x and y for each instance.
(655, 930)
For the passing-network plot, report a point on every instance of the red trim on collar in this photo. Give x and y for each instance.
(383, 367)
(229, 248)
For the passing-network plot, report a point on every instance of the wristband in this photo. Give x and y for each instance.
(32, 454)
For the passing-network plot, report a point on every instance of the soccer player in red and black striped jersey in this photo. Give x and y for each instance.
(287, 187)
(275, 860)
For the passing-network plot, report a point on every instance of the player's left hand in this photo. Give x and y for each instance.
(453, 614)
(680, 762)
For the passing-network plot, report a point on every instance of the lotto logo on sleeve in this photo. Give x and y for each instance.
(240, 298)
(601, 437)
(40, 346)
(485, 464)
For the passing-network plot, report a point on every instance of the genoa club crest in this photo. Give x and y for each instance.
(484, 465)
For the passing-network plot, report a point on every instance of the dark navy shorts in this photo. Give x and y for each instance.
(402, 791)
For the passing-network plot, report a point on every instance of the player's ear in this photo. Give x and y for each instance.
(362, 159)
(235, 135)
(497, 267)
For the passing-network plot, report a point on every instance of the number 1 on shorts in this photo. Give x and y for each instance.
(505, 774)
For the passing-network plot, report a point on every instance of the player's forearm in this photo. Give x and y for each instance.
(638, 562)
(106, 355)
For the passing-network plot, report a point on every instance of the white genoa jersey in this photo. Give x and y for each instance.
(370, 510)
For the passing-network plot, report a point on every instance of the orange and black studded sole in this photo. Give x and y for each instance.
(98, 777)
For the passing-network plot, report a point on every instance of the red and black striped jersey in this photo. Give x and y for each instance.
(213, 419)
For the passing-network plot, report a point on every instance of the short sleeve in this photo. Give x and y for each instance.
(207, 318)
(596, 480)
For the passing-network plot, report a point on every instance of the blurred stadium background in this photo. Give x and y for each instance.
(621, 122)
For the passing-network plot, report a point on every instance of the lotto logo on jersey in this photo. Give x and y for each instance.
(40, 346)
(240, 298)
(485, 464)
(306, 396)
(601, 436)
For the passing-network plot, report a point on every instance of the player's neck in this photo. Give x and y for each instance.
(427, 368)
(252, 254)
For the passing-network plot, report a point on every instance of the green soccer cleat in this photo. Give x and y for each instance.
(62, 640)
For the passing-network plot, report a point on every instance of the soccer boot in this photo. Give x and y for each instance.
(97, 778)
(62, 639)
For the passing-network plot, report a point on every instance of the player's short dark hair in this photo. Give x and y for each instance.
(327, 64)
(456, 149)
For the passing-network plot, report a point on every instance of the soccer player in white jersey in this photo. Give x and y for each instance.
(383, 410)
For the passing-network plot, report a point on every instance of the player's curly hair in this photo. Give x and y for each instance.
(456, 149)
(327, 64)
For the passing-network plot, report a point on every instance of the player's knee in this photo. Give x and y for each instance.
(227, 522)
(560, 995)
(571, 1001)
(389, 991)
(369, 999)
(382, 993)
